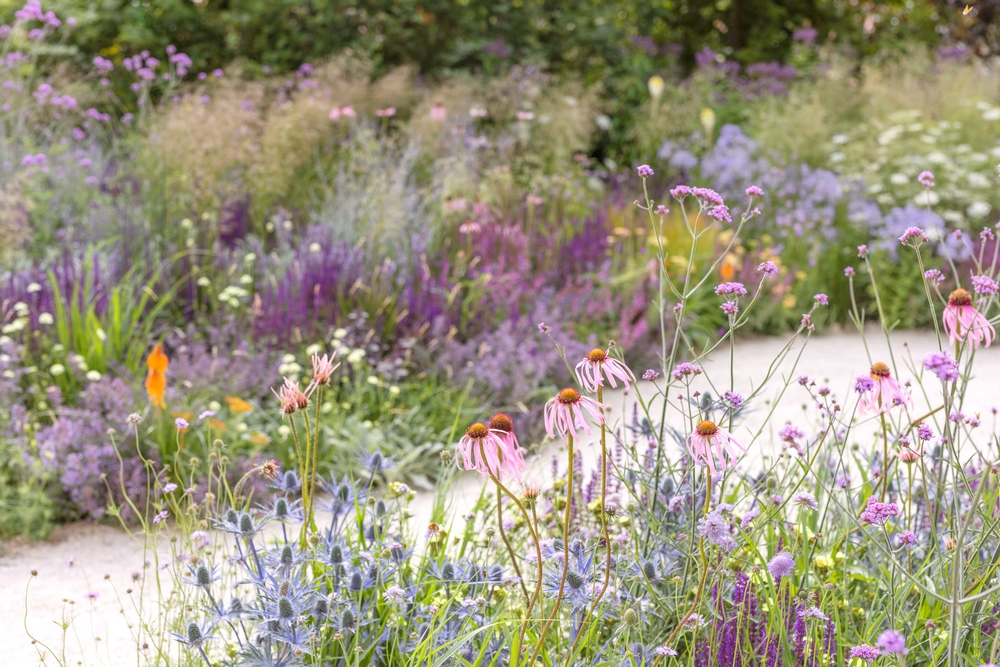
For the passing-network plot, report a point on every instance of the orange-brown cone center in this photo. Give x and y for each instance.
(501, 422)
(880, 371)
(569, 396)
(596, 355)
(960, 298)
(477, 431)
(707, 429)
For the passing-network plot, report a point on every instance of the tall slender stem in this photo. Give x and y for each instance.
(704, 568)
(604, 523)
(532, 523)
(562, 580)
(510, 549)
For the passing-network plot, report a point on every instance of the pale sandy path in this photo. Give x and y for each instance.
(834, 359)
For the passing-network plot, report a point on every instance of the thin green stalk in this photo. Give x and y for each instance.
(562, 580)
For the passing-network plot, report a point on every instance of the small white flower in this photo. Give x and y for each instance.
(339, 333)
(978, 209)
(93, 376)
(250, 257)
(46, 319)
(34, 287)
(246, 279)
(99, 332)
(203, 282)
(57, 370)
(315, 348)
(315, 247)
(373, 380)
(899, 179)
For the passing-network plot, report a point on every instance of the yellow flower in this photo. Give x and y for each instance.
(656, 86)
(238, 404)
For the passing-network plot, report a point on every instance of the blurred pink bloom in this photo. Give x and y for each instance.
(291, 397)
(596, 366)
(323, 368)
(346, 112)
(486, 451)
(711, 445)
(564, 413)
(438, 112)
(386, 113)
(477, 112)
(962, 321)
(885, 392)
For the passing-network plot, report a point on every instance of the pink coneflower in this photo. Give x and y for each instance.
(291, 397)
(469, 227)
(438, 112)
(485, 451)
(884, 393)
(323, 368)
(564, 413)
(711, 445)
(596, 366)
(503, 427)
(962, 321)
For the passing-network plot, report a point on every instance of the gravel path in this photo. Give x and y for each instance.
(103, 630)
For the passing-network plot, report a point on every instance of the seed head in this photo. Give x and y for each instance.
(631, 617)
(501, 422)
(960, 298)
(879, 371)
(707, 429)
(285, 608)
(568, 396)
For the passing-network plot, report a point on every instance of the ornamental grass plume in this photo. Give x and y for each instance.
(598, 365)
(711, 445)
(156, 378)
(963, 322)
(883, 393)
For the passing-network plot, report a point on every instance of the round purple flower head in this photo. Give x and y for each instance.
(892, 641)
(907, 538)
(865, 652)
(876, 512)
(754, 191)
(862, 251)
(863, 383)
(942, 365)
(731, 289)
(849, 271)
(985, 285)
(822, 299)
(926, 179)
(782, 565)
(768, 268)
(645, 171)
(805, 499)
(913, 237)
(933, 276)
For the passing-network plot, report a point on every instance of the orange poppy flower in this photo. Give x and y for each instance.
(156, 379)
